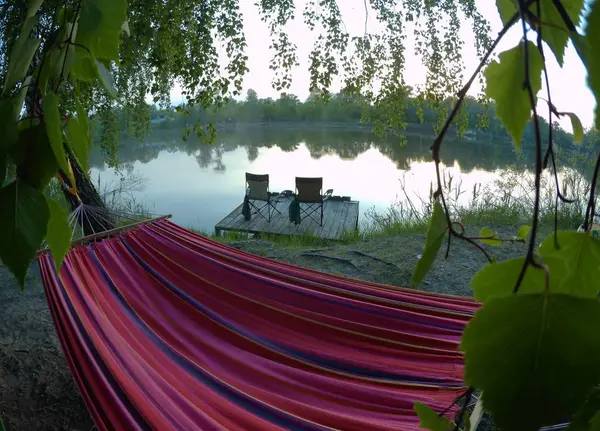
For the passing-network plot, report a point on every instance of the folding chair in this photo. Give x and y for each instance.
(309, 192)
(257, 190)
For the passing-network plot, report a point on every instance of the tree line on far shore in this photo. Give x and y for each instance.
(350, 111)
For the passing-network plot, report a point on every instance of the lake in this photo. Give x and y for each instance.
(199, 184)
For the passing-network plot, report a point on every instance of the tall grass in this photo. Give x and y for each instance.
(508, 200)
(120, 197)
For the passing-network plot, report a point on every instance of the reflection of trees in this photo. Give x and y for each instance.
(209, 155)
(345, 143)
(252, 153)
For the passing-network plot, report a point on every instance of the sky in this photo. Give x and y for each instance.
(568, 84)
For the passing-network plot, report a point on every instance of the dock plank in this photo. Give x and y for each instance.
(339, 215)
(339, 228)
(352, 219)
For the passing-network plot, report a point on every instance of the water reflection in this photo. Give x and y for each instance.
(346, 144)
(199, 184)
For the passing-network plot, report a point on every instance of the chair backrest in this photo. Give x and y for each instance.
(257, 186)
(309, 189)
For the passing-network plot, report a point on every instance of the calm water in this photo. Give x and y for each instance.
(200, 184)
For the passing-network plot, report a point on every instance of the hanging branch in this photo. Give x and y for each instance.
(551, 110)
(68, 43)
(591, 207)
(529, 259)
(437, 143)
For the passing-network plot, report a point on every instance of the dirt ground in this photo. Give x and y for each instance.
(37, 391)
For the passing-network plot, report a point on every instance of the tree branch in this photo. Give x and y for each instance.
(529, 260)
(591, 210)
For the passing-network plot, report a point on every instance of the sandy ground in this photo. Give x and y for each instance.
(37, 391)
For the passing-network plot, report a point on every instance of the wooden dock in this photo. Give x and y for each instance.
(340, 215)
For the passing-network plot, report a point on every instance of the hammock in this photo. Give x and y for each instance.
(165, 329)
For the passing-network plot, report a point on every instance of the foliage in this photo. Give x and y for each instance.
(513, 107)
(531, 348)
(535, 382)
(431, 420)
(61, 62)
(23, 216)
(433, 242)
(67, 60)
(343, 110)
(58, 232)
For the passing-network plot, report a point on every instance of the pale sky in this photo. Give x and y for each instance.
(568, 85)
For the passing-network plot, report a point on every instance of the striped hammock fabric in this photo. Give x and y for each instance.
(165, 329)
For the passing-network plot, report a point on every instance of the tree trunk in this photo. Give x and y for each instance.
(95, 219)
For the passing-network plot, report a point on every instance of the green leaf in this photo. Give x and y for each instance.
(53, 128)
(506, 9)
(79, 141)
(535, 357)
(23, 216)
(59, 233)
(590, 45)
(21, 55)
(523, 232)
(82, 117)
(581, 47)
(105, 78)
(39, 164)
(504, 84)
(554, 30)
(100, 27)
(493, 238)
(33, 6)
(430, 420)
(84, 66)
(499, 279)
(575, 266)
(577, 127)
(8, 128)
(433, 242)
